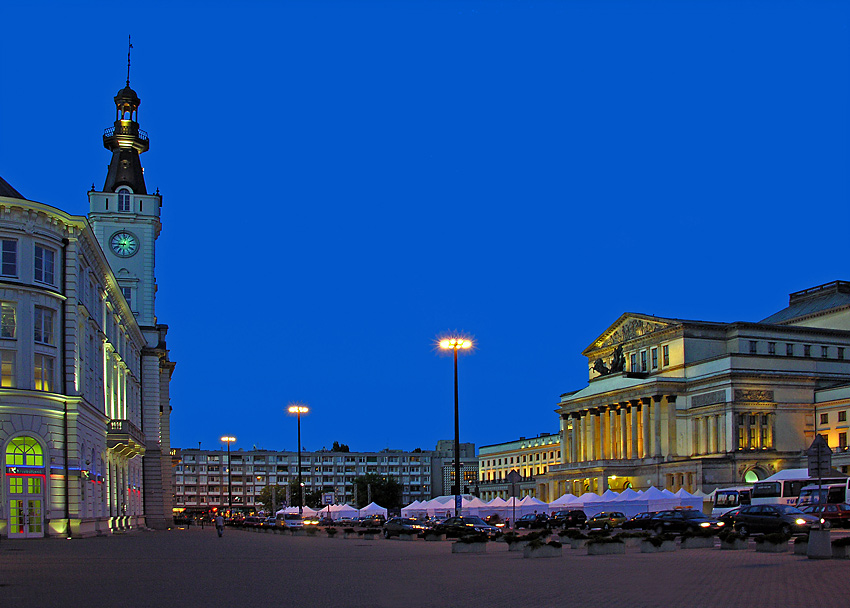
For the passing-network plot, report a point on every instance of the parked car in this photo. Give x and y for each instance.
(311, 521)
(683, 520)
(403, 525)
(460, 526)
(252, 522)
(373, 521)
(835, 516)
(269, 522)
(606, 520)
(575, 518)
(532, 520)
(773, 518)
(290, 521)
(728, 518)
(641, 521)
(495, 520)
(347, 522)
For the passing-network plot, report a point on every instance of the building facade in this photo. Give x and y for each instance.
(698, 405)
(201, 476)
(529, 457)
(84, 379)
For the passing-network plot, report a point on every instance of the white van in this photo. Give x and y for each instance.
(290, 521)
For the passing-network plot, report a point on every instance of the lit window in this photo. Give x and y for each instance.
(123, 200)
(45, 265)
(43, 371)
(8, 320)
(7, 368)
(9, 258)
(24, 452)
(43, 325)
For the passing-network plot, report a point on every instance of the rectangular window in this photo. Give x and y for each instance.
(771, 348)
(789, 350)
(43, 325)
(665, 353)
(8, 320)
(824, 351)
(807, 350)
(842, 440)
(44, 265)
(7, 368)
(824, 418)
(842, 416)
(128, 295)
(840, 353)
(753, 347)
(9, 258)
(654, 358)
(643, 360)
(633, 366)
(43, 371)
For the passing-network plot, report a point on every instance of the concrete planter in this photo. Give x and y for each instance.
(349, 534)
(801, 548)
(605, 548)
(766, 547)
(578, 543)
(544, 551)
(664, 547)
(820, 546)
(458, 547)
(633, 542)
(739, 544)
(435, 537)
(299, 532)
(840, 552)
(519, 545)
(407, 537)
(370, 536)
(696, 542)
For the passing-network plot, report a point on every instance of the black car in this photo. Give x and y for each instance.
(403, 525)
(461, 526)
(568, 519)
(728, 518)
(680, 520)
(641, 521)
(532, 520)
(773, 518)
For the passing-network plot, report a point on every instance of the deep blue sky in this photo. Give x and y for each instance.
(344, 181)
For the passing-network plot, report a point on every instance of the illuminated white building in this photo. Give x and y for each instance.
(84, 399)
(697, 405)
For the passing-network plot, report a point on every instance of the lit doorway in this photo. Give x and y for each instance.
(25, 488)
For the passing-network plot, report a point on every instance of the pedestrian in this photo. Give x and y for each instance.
(202, 522)
(219, 525)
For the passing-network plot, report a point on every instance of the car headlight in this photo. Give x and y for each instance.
(705, 524)
(799, 521)
(721, 523)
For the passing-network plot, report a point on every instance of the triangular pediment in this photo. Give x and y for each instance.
(628, 327)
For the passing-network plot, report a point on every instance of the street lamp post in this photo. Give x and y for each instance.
(454, 344)
(228, 440)
(298, 409)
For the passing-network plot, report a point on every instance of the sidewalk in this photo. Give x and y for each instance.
(187, 568)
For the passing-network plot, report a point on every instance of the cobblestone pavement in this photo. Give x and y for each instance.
(187, 568)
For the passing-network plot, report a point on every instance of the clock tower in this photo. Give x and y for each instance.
(125, 219)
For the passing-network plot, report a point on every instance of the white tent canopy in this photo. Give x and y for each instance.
(372, 509)
(308, 512)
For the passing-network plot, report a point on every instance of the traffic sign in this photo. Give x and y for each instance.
(819, 457)
(328, 498)
(514, 478)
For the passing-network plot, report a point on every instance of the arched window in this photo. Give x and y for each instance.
(751, 477)
(123, 200)
(24, 452)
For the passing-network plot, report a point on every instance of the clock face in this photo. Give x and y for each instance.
(124, 244)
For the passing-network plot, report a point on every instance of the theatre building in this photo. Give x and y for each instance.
(698, 404)
(84, 382)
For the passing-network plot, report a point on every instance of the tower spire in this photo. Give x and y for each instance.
(129, 46)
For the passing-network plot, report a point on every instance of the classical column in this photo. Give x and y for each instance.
(565, 455)
(634, 415)
(656, 425)
(592, 451)
(695, 436)
(703, 435)
(645, 423)
(604, 434)
(712, 434)
(615, 431)
(672, 427)
(747, 435)
(574, 446)
(771, 421)
(624, 430)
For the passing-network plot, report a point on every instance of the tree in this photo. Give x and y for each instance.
(386, 491)
(311, 499)
(265, 497)
(339, 447)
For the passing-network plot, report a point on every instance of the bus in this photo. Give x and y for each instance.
(828, 493)
(726, 499)
(784, 487)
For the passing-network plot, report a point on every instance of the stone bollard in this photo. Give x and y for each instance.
(820, 546)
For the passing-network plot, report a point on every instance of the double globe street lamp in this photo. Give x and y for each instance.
(228, 440)
(456, 343)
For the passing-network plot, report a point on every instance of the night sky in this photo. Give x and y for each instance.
(346, 181)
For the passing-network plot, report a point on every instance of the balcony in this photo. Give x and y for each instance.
(125, 439)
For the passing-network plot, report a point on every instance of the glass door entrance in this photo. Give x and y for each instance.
(26, 519)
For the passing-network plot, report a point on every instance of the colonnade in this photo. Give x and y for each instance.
(627, 430)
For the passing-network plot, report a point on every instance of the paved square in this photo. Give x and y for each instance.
(194, 567)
